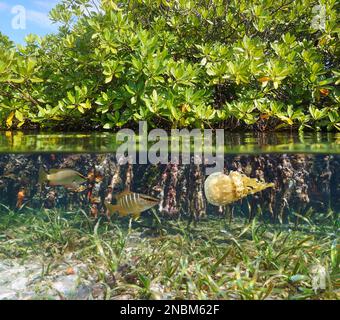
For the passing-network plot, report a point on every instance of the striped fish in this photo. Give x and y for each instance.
(131, 202)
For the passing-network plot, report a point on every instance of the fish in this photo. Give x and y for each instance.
(221, 189)
(67, 178)
(131, 202)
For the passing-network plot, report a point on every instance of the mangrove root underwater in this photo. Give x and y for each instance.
(301, 181)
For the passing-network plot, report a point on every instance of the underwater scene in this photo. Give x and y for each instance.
(79, 224)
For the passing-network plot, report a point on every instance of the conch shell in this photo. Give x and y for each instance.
(221, 189)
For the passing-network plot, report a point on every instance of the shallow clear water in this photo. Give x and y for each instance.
(59, 240)
(303, 168)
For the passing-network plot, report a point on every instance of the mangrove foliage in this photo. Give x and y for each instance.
(234, 64)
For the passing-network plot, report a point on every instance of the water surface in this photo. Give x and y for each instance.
(234, 143)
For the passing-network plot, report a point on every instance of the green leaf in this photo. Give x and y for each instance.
(9, 120)
(19, 80)
(81, 109)
(108, 79)
(36, 80)
(19, 116)
(70, 97)
(108, 125)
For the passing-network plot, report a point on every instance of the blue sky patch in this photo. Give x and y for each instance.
(36, 22)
